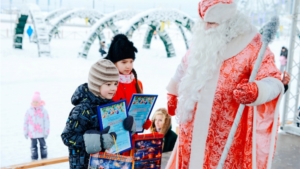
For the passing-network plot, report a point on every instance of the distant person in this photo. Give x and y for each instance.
(102, 48)
(29, 32)
(155, 34)
(56, 33)
(82, 133)
(36, 126)
(161, 122)
(283, 58)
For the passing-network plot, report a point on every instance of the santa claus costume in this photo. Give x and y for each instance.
(210, 84)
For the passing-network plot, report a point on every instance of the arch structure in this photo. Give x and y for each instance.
(93, 16)
(55, 14)
(163, 35)
(105, 22)
(39, 26)
(151, 17)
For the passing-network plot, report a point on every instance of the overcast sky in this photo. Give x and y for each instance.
(107, 6)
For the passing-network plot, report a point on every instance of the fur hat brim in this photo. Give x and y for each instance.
(220, 12)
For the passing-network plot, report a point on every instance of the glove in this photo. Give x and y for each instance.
(46, 136)
(147, 124)
(26, 136)
(96, 141)
(286, 78)
(245, 92)
(172, 104)
(129, 124)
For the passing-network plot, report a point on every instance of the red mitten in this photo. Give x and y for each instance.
(172, 104)
(245, 92)
(147, 124)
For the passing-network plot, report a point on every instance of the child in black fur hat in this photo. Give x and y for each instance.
(122, 53)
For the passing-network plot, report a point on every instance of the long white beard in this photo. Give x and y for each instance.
(204, 60)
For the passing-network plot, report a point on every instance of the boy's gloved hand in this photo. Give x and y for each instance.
(96, 141)
(245, 92)
(172, 104)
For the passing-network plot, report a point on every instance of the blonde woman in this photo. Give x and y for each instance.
(161, 122)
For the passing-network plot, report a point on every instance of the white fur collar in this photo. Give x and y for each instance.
(238, 44)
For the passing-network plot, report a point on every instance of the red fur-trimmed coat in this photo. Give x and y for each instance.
(126, 90)
(201, 140)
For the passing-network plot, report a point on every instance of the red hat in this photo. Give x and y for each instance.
(217, 11)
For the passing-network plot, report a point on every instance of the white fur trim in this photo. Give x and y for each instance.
(201, 122)
(254, 165)
(172, 87)
(274, 130)
(220, 12)
(240, 43)
(268, 89)
(273, 134)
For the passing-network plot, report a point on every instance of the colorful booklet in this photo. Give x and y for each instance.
(147, 150)
(109, 161)
(140, 108)
(113, 115)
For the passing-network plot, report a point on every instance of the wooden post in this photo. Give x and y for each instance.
(39, 163)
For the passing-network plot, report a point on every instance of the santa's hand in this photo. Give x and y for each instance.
(286, 78)
(172, 104)
(245, 92)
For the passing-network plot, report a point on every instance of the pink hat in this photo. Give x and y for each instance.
(217, 11)
(36, 100)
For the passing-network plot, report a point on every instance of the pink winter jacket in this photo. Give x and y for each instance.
(36, 123)
(283, 60)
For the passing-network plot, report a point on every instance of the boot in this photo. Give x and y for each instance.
(34, 154)
(44, 152)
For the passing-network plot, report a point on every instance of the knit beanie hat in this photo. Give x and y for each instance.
(217, 11)
(36, 100)
(101, 72)
(121, 48)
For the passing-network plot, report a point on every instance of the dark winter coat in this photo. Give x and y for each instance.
(82, 117)
(169, 140)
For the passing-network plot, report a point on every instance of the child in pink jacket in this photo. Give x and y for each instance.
(36, 126)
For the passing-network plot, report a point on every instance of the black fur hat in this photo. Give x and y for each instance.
(121, 48)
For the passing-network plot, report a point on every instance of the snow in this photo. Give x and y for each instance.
(57, 77)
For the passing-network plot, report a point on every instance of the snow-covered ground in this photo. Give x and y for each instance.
(56, 78)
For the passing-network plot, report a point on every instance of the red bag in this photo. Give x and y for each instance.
(147, 150)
